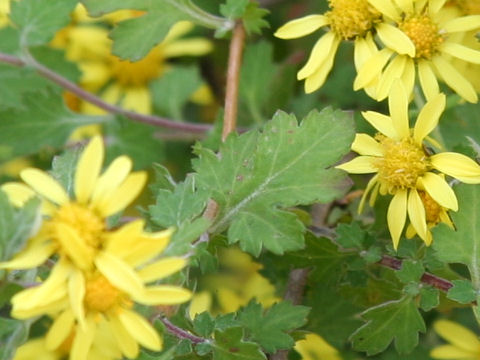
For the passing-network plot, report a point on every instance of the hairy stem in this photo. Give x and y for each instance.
(181, 333)
(95, 100)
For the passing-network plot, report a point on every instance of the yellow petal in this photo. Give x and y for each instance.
(364, 49)
(366, 145)
(60, 330)
(125, 341)
(187, 47)
(461, 52)
(163, 295)
(395, 39)
(457, 335)
(434, 6)
(405, 5)
(428, 80)
(140, 329)
(440, 191)
(371, 69)
(382, 123)
(360, 165)
(88, 169)
(45, 185)
(461, 24)
(31, 257)
(393, 71)
(74, 246)
(119, 274)
(177, 30)
(320, 53)
(456, 165)
(148, 246)
(371, 183)
(317, 79)
(115, 174)
(301, 27)
(416, 213)
(161, 268)
(450, 352)
(387, 8)
(396, 216)
(201, 301)
(83, 341)
(137, 99)
(398, 105)
(17, 193)
(455, 79)
(76, 292)
(94, 75)
(123, 195)
(428, 118)
(408, 77)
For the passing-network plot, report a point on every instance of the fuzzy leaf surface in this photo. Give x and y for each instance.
(12, 333)
(286, 164)
(397, 320)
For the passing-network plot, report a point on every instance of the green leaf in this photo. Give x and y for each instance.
(253, 19)
(204, 324)
(429, 298)
(462, 292)
(172, 91)
(397, 320)
(234, 9)
(461, 245)
(12, 334)
(229, 345)
(39, 20)
(64, 168)
(351, 235)
(135, 140)
(45, 122)
(269, 328)
(186, 234)
(285, 165)
(411, 270)
(16, 225)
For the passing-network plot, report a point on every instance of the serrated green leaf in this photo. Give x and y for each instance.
(64, 168)
(429, 298)
(397, 320)
(56, 59)
(234, 9)
(186, 234)
(269, 328)
(203, 324)
(350, 235)
(12, 334)
(44, 122)
(285, 165)
(35, 20)
(135, 140)
(172, 91)
(411, 270)
(462, 292)
(253, 19)
(229, 345)
(461, 245)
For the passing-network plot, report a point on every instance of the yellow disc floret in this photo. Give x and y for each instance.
(432, 208)
(424, 34)
(138, 73)
(351, 18)
(402, 164)
(100, 295)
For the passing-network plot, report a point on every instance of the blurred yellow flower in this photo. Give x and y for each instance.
(433, 39)
(402, 166)
(314, 347)
(4, 11)
(464, 344)
(353, 20)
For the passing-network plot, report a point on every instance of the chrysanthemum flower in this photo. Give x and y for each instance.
(403, 168)
(124, 82)
(464, 344)
(315, 347)
(435, 40)
(347, 20)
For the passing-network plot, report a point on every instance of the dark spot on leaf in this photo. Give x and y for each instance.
(234, 349)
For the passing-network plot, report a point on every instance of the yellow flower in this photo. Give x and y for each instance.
(314, 347)
(464, 344)
(347, 20)
(121, 81)
(4, 11)
(403, 167)
(433, 39)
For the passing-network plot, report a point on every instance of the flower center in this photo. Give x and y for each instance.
(138, 73)
(424, 34)
(432, 208)
(88, 225)
(403, 162)
(351, 18)
(100, 295)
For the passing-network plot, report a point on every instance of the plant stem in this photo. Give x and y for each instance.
(180, 333)
(95, 100)
(233, 77)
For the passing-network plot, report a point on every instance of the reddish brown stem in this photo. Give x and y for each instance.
(95, 100)
(233, 78)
